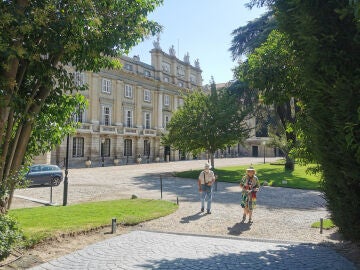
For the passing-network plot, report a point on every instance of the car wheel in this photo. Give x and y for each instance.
(55, 181)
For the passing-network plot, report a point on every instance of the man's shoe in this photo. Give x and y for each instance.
(208, 211)
(202, 209)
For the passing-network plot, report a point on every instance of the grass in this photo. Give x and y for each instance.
(327, 224)
(39, 223)
(274, 175)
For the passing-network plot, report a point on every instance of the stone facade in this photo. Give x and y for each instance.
(129, 109)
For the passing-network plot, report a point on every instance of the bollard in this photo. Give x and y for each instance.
(51, 192)
(177, 200)
(161, 187)
(321, 225)
(113, 225)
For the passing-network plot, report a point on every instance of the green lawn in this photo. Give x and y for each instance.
(275, 175)
(327, 224)
(39, 223)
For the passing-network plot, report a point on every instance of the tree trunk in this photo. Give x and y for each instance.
(289, 163)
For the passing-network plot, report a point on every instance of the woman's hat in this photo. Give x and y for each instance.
(207, 165)
(251, 168)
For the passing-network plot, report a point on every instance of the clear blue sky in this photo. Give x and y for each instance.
(202, 28)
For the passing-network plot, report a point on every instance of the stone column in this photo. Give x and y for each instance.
(118, 97)
(160, 110)
(138, 97)
(94, 89)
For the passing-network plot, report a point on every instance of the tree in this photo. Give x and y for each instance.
(38, 40)
(207, 123)
(272, 69)
(325, 37)
(252, 35)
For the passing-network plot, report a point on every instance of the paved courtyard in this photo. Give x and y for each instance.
(280, 236)
(149, 250)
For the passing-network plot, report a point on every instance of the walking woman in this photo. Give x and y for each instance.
(249, 185)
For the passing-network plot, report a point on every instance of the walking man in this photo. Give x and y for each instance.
(206, 181)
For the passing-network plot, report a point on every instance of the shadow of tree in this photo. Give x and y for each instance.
(296, 256)
(272, 197)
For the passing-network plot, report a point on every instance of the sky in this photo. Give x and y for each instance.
(203, 29)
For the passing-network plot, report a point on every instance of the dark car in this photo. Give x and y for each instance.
(44, 174)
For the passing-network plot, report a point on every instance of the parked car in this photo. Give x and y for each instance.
(44, 174)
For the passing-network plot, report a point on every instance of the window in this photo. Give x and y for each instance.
(128, 67)
(147, 95)
(166, 67)
(192, 78)
(106, 115)
(79, 116)
(166, 120)
(166, 100)
(128, 91)
(147, 73)
(166, 79)
(128, 118)
(128, 147)
(147, 120)
(146, 148)
(78, 147)
(181, 84)
(105, 148)
(79, 78)
(106, 86)
(181, 102)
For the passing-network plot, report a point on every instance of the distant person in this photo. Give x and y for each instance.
(206, 181)
(249, 185)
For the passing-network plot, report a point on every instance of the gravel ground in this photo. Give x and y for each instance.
(282, 214)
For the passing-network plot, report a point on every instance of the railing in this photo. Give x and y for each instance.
(149, 132)
(84, 127)
(132, 131)
(107, 129)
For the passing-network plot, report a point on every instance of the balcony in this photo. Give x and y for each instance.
(149, 132)
(131, 131)
(85, 128)
(108, 129)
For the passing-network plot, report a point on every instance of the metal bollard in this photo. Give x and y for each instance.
(161, 185)
(321, 225)
(177, 200)
(113, 225)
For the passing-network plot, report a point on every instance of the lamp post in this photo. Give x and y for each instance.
(264, 144)
(66, 182)
(102, 152)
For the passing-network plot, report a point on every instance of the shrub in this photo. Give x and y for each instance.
(10, 234)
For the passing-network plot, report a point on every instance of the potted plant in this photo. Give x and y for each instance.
(116, 161)
(88, 162)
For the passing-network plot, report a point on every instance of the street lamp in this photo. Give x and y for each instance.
(264, 144)
(66, 182)
(102, 151)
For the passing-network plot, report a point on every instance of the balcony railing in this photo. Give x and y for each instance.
(149, 132)
(130, 131)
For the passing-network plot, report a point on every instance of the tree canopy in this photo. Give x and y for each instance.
(325, 35)
(38, 40)
(207, 123)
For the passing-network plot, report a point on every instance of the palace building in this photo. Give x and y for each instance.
(129, 109)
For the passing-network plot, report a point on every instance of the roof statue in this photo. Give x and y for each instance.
(156, 43)
(187, 58)
(172, 51)
(197, 64)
